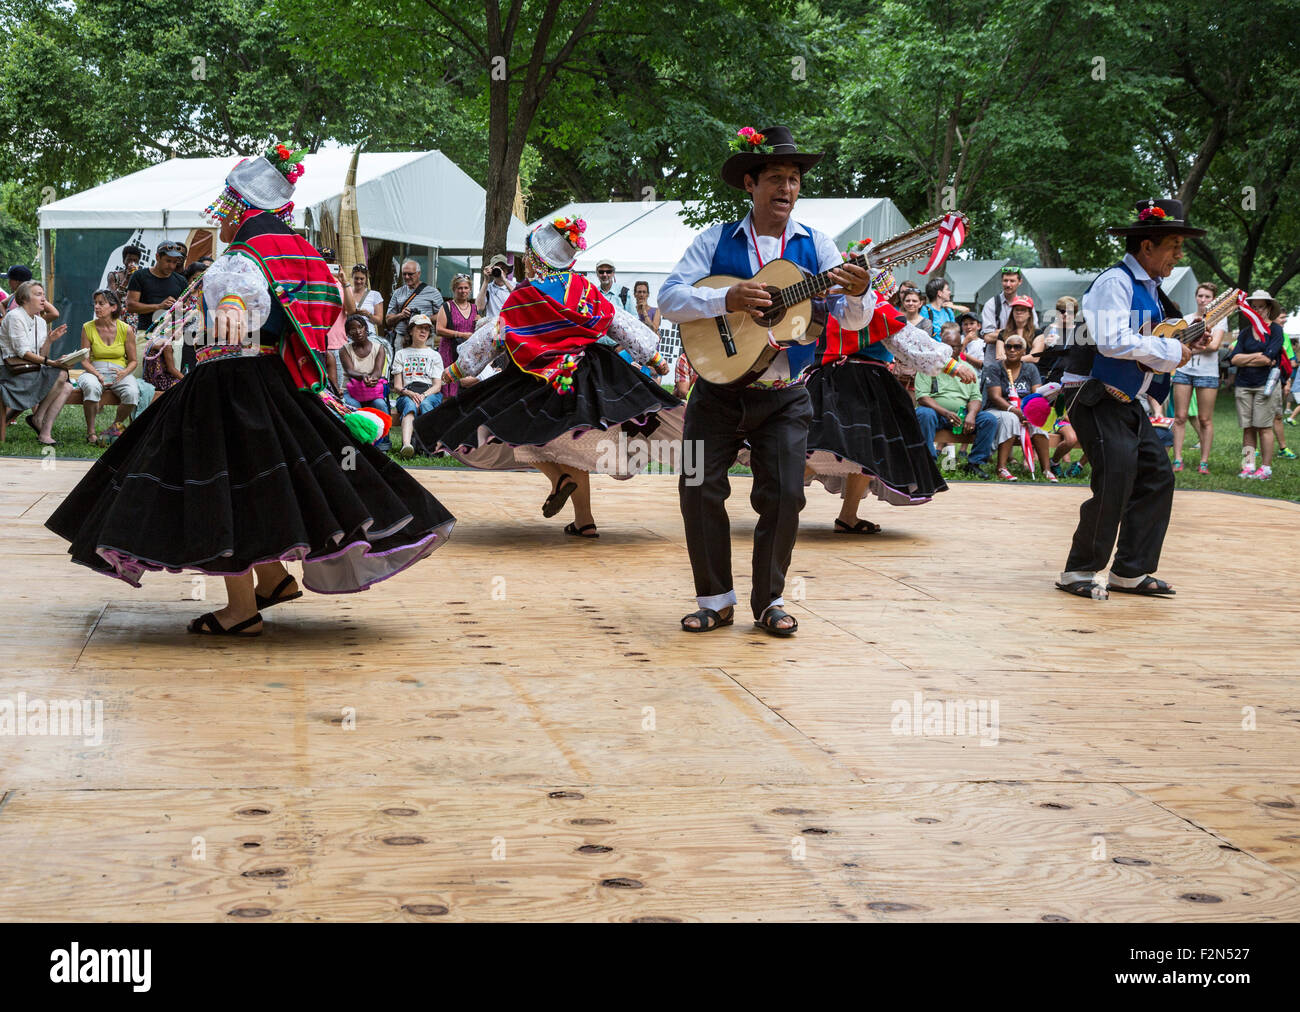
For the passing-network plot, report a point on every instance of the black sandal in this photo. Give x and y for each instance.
(1084, 588)
(556, 500)
(861, 527)
(1150, 587)
(209, 626)
(276, 598)
(713, 618)
(771, 616)
(581, 532)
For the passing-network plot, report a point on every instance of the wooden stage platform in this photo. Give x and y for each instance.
(517, 729)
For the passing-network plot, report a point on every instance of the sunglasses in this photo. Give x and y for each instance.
(1015, 347)
(604, 272)
(360, 269)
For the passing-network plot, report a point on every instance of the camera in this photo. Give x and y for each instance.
(496, 272)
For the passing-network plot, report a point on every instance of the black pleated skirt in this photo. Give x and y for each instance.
(519, 411)
(236, 467)
(864, 423)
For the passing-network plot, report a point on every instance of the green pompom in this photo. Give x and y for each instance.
(364, 427)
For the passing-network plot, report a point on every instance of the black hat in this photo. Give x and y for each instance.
(777, 146)
(19, 274)
(1157, 217)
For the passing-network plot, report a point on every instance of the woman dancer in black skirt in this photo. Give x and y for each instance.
(242, 466)
(563, 404)
(864, 434)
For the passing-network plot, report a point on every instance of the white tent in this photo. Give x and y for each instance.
(416, 197)
(645, 240)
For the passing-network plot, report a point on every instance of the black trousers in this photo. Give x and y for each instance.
(1132, 486)
(718, 420)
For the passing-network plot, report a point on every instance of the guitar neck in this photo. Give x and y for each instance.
(1215, 313)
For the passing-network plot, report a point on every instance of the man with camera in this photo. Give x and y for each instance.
(498, 283)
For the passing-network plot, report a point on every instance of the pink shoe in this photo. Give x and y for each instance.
(1178, 466)
(1203, 467)
(1247, 472)
(1263, 474)
(1051, 477)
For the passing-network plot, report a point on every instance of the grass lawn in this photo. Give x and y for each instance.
(1225, 460)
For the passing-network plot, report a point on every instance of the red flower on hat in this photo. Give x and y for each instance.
(1150, 213)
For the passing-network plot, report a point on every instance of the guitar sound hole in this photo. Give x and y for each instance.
(777, 313)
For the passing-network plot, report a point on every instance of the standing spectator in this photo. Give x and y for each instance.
(369, 302)
(365, 364)
(998, 309)
(417, 379)
(111, 364)
(605, 274)
(120, 277)
(1257, 401)
(414, 298)
(24, 334)
(152, 291)
(1200, 374)
(910, 303)
(957, 405)
(497, 285)
(455, 323)
(1019, 324)
(939, 307)
(1006, 385)
(1288, 375)
(646, 313)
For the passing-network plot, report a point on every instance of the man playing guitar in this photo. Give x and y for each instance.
(773, 411)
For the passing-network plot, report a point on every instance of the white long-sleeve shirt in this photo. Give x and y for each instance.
(680, 300)
(1108, 309)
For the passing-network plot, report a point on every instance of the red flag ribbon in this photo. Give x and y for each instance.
(952, 233)
(1257, 323)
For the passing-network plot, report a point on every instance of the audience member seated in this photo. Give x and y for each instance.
(110, 364)
(1006, 384)
(365, 364)
(947, 399)
(972, 344)
(25, 335)
(417, 378)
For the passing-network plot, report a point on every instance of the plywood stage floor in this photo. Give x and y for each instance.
(517, 729)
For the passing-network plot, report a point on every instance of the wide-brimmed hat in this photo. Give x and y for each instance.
(773, 144)
(1157, 217)
(1274, 307)
(260, 183)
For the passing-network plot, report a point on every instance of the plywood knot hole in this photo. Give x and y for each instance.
(250, 843)
(814, 831)
(1136, 861)
(254, 811)
(566, 795)
(1056, 805)
(249, 912)
(591, 822)
(1200, 898)
(403, 841)
(889, 908)
(264, 873)
(621, 883)
(1055, 919)
(400, 811)
(594, 848)
(425, 909)
(792, 811)
(1280, 804)
(925, 820)
(653, 919)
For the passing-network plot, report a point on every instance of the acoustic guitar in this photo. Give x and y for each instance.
(734, 349)
(1215, 313)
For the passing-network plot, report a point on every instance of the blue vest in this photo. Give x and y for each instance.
(732, 257)
(1125, 374)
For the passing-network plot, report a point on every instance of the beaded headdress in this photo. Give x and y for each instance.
(265, 182)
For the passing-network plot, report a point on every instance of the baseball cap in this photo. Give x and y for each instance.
(170, 248)
(1022, 300)
(604, 263)
(419, 319)
(18, 273)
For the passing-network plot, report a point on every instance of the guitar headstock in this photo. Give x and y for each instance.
(914, 244)
(1222, 307)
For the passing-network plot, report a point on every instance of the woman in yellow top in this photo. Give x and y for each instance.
(111, 364)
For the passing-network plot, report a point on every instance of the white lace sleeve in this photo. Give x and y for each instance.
(634, 335)
(918, 351)
(478, 349)
(236, 274)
